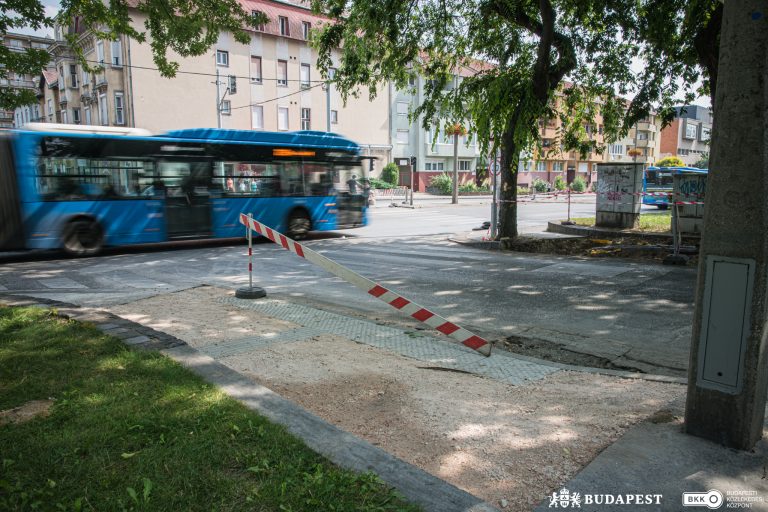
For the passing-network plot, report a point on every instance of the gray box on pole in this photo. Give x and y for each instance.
(618, 199)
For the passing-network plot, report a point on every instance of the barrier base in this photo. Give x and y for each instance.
(567, 223)
(250, 292)
(676, 259)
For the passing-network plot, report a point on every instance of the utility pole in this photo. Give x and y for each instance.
(455, 199)
(218, 97)
(728, 374)
(328, 106)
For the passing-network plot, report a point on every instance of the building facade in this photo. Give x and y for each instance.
(28, 113)
(432, 149)
(641, 145)
(688, 134)
(270, 84)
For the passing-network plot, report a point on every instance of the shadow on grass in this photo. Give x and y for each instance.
(132, 430)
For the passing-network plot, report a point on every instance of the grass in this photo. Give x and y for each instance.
(649, 222)
(132, 430)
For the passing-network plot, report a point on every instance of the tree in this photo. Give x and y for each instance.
(703, 161)
(391, 174)
(670, 161)
(187, 27)
(514, 57)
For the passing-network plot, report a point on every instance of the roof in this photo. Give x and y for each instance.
(291, 139)
(51, 76)
(295, 14)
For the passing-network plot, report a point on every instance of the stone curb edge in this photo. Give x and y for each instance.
(340, 447)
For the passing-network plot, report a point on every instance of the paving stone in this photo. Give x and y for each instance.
(135, 340)
(440, 352)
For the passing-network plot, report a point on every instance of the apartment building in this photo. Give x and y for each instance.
(641, 145)
(270, 84)
(552, 160)
(28, 113)
(432, 149)
(688, 134)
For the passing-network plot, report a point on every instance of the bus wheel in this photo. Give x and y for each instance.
(298, 225)
(83, 237)
(662, 206)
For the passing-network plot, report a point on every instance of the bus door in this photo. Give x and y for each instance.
(352, 199)
(185, 183)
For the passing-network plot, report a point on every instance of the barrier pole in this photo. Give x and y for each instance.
(250, 292)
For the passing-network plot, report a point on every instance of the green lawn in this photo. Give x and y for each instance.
(649, 222)
(133, 430)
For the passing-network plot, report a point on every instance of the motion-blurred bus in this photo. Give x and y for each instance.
(657, 183)
(80, 188)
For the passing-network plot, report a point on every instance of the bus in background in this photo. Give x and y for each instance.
(658, 180)
(80, 188)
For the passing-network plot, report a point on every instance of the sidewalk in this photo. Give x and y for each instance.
(504, 432)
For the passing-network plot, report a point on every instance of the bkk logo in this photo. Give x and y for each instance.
(566, 499)
(712, 499)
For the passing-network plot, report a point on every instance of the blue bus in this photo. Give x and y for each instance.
(658, 180)
(81, 188)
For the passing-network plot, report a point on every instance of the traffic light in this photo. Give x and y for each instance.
(413, 161)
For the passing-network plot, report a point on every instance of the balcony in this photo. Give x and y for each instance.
(446, 150)
(645, 143)
(63, 99)
(646, 127)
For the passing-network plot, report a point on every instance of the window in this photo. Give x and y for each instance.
(690, 130)
(465, 165)
(334, 117)
(100, 52)
(222, 58)
(255, 69)
(305, 119)
(557, 166)
(63, 116)
(402, 136)
(119, 114)
(642, 135)
(331, 73)
(402, 108)
(705, 133)
(305, 28)
(103, 116)
(304, 76)
(72, 75)
(87, 111)
(50, 107)
(117, 53)
(232, 84)
(256, 15)
(434, 165)
(282, 118)
(284, 30)
(86, 78)
(226, 107)
(541, 166)
(257, 117)
(282, 73)
(412, 80)
(615, 149)
(76, 115)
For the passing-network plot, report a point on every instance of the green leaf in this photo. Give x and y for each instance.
(127, 455)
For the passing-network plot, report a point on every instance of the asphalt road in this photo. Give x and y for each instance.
(635, 314)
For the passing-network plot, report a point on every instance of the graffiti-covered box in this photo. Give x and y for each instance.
(618, 195)
(689, 189)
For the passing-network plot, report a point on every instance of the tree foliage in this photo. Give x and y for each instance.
(515, 57)
(186, 27)
(670, 161)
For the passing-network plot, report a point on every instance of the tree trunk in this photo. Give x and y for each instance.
(510, 156)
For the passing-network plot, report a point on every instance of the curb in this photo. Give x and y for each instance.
(554, 227)
(340, 447)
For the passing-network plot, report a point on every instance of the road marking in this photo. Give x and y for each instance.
(60, 283)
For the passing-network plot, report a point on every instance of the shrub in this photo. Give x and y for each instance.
(391, 174)
(443, 183)
(579, 184)
(560, 183)
(523, 191)
(540, 185)
(670, 161)
(377, 183)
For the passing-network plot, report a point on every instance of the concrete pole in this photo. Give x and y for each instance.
(218, 97)
(455, 199)
(328, 106)
(728, 373)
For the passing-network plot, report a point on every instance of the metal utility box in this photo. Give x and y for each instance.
(690, 187)
(618, 195)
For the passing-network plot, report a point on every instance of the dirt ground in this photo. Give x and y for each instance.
(509, 445)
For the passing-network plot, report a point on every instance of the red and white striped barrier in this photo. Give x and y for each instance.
(393, 299)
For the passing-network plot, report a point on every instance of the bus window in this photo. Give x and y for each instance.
(72, 179)
(318, 178)
(292, 179)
